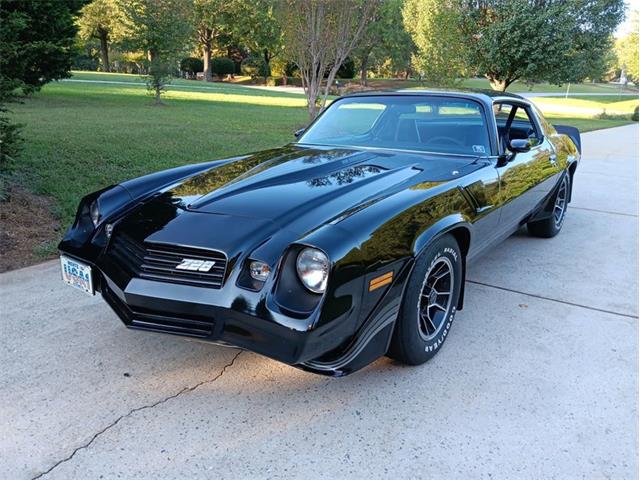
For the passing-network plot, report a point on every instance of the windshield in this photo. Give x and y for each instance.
(424, 123)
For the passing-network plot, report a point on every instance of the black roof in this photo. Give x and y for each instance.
(484, 95)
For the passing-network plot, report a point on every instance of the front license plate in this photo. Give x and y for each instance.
(76, 274)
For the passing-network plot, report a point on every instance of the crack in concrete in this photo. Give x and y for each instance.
(550, 299)
(603, 211)
(135, 410)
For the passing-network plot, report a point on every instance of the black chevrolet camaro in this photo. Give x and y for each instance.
(346, 245)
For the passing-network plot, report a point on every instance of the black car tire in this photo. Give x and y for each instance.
(551, 226)
(413, 343)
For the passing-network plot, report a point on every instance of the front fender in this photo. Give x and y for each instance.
(86, 240)
(451, 222)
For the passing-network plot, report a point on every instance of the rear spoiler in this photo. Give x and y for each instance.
(572, 132)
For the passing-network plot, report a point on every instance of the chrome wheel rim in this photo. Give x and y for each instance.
(560, 206)
(434, 303)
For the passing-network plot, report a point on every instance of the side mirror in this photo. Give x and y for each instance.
(518, 145)
(297, 133)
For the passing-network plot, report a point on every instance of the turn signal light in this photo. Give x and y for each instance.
(259, 271)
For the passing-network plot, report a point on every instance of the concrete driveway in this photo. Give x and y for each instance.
(539, 378)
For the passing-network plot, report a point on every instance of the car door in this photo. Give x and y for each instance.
(526, 178)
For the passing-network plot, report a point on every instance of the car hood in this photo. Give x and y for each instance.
(281, 194)
(291, 181)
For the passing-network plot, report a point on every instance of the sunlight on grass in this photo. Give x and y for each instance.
(180, 84)
(585, 107)
(236, 95)
(235, 98)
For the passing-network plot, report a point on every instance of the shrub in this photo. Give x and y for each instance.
(84, 62)
(158, 79)
(222, 66)
(10, 141)
(634, 116)
(255, 66)
(191, 66)
(281, 67)
(610, 116)
(280, 81)
(347, 69)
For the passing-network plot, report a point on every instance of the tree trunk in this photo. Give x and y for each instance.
(312, 92)
(152, 56)
(104, 50)
(327, 88)
(364, 67)
(312, 102)
(267, 61)
(499, 84)
(205, 38)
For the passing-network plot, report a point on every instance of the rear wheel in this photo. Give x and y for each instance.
(429, 304)
(550, 227)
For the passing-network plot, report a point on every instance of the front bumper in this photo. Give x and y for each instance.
(189, 311)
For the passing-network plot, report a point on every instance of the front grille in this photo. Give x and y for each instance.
(158, 262)
(145, 319)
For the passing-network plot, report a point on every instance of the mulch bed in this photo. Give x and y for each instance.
(28, 230)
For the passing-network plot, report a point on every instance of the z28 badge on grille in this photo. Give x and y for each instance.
(195, 265)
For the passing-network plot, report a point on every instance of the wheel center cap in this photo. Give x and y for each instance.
(433, 297)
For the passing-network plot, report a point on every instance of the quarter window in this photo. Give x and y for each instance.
(515, 122)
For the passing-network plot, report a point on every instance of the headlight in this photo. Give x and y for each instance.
(313, 269)
(94, 211)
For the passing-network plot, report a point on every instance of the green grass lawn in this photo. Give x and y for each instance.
(587, 107)
(628, 100)
(586, 124)
(516, 87)
(181, 83)
(80, 137)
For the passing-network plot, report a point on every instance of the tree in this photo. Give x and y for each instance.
(162, 29)
(626, 50)
(36, 45)
(589, 54)
(319, 35)
(214, 19)
(100, 20)
(538, 40)
(384, 41)
(434, 26)
(259, 29)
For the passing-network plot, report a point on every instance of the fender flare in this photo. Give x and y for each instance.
(546, 210)
(452, 223)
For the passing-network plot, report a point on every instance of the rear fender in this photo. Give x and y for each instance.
(572, 132)
(547, 209)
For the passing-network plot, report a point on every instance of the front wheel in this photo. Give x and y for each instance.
(429, 304)
(550, 227)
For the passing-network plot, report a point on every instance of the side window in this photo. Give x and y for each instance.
(515, 122)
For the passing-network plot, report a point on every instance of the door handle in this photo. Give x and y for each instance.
(553, 159)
